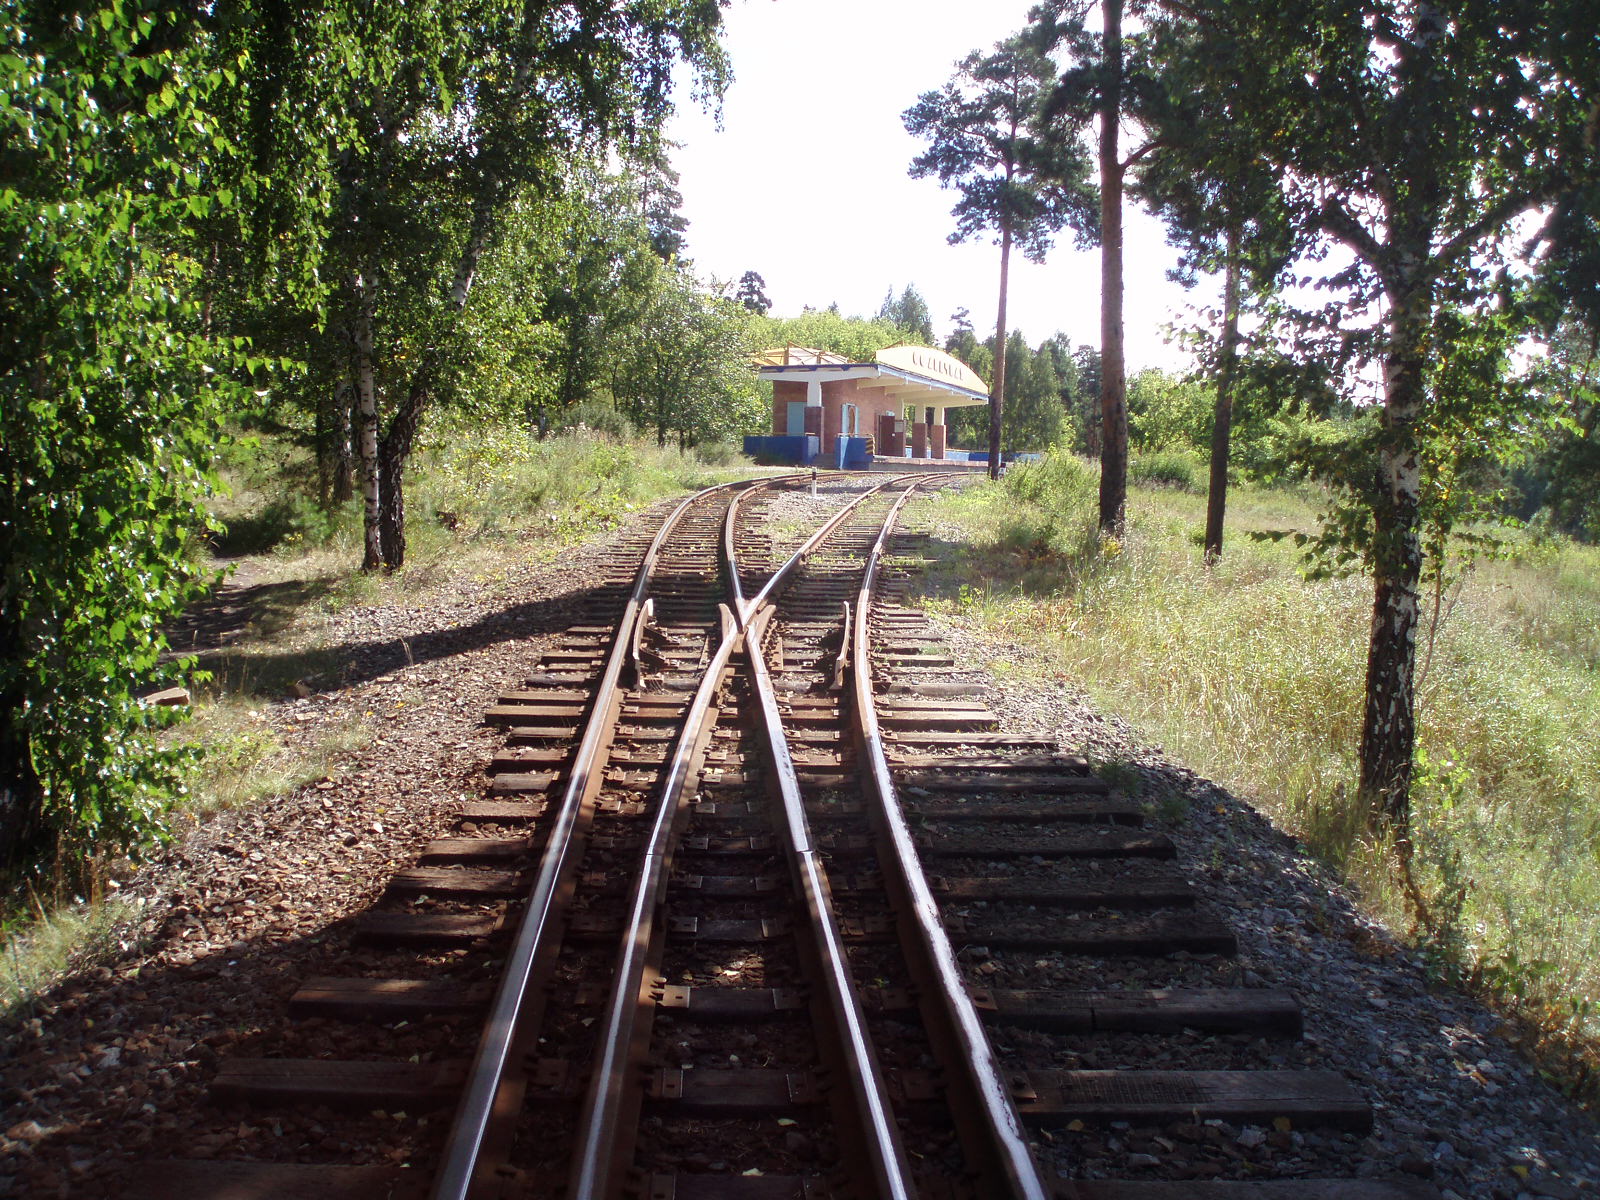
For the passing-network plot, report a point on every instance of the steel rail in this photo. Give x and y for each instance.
(598, 1168)
(781, 575)
(991, 1134)
(879, 1141)
(599, 1171)
(462, 1165)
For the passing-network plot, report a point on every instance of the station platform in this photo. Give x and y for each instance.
(924, 465)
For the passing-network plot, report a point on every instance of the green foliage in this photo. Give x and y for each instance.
(181, 186)
(1178, 469)
(969, 427)
(499, 479)
(587, 267)
(752, 293)
(288, 520)
(909, 312)
(1413, 139)
(1484, 419)
(1044, 405)
(1055, 514)
(478, 482)
(1559, 485)
(683, 367)
(464, 118)
(1249, 672)
(598, 416)
(1168, 413)
(111, 393)
(981, 143)
(1034, 416)
(857, 338)
(1205, 178)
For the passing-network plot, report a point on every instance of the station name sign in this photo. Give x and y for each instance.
(932, 364)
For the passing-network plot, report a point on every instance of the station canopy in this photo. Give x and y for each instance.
(918, 375)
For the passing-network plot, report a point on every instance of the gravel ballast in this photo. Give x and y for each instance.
(111, 1067)
(1454, 1102)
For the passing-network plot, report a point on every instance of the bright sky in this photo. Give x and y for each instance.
(806, 182)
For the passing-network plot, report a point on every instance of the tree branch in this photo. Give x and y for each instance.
(1152, 145)
(1202, 17)
(1337, 220)
(1499, 213)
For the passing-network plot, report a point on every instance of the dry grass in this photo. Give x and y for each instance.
(43, 945)
(1254, 675)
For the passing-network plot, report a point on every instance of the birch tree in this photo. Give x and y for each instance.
(1409, 139)
(488, 105)
(126, 151)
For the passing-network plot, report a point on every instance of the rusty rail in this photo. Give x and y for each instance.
(492, 1089)
(875, 1134)
(600, 1161)
(991, 1134)
(599, 1167)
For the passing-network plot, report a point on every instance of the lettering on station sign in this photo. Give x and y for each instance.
(932, 364)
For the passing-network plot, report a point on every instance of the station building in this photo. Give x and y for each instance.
(828, 411)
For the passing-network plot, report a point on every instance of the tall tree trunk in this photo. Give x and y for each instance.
(23, 837)
(393, 452)
(997, 391)
(1389, 724)
(1113, 373)
(361, 342)
(402, 432)
(322, 434)
(1388, 728)
(660, 406)
(344, 446)
(1222, 423)
(335, 454)
(1089, 408)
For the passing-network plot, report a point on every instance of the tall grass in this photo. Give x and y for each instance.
(468, 486)
(1254, 675)
(40, 945)
(482, 500)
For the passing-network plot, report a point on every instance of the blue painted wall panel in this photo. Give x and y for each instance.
(782, 449)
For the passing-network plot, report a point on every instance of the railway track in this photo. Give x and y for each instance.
(722, 926)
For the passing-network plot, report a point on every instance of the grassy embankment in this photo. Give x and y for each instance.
(482, 503)
(1252, 675)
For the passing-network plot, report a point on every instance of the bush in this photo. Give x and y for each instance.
(599, 416)
(1059, 508)
(1168, 412)
(1168, 468)
(286, 523)
(726, 453)
(493, 479)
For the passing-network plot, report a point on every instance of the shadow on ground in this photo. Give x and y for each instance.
(224, 634)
